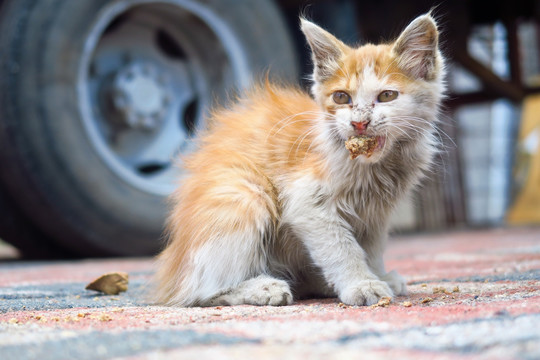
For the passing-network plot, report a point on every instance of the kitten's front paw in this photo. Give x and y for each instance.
(365, 292)
(397, 283)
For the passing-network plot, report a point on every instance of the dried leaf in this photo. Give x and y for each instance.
(111, 283)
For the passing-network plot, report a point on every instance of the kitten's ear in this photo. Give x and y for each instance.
(417, 48)
(326, 49)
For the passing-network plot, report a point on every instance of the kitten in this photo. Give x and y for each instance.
(272, 204)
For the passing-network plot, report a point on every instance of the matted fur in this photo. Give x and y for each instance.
(272, 205)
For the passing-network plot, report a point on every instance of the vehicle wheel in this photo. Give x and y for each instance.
(98, 96)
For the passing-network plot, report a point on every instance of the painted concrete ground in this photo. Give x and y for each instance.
(473, 295)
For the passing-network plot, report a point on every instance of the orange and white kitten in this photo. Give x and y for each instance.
(273, 208)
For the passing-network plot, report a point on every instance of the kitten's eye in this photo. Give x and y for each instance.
(341, 97)
(387, 95)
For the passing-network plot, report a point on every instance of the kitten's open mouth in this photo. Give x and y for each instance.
(364, 145)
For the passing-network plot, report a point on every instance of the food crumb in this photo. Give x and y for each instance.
(426, 300)
(13, 321)
(456, 289)
(406, 304)
(104, 317)
(440, 290)
(383, 302)
(361, 145)
(423, 285)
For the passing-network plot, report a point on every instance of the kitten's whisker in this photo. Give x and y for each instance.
(296, 115)
(385, 72)
(345, 72)
(300, 140)
(415, 129)
(273, 133)
(432, 126)
(402, 131)
(404, 123)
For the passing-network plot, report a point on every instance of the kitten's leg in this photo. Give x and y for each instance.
(397, 283)
(219, 234)
(262, 290)
(374, 247)
(332, 246)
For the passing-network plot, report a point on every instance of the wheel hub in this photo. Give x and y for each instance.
(140, 96)
(149, 70)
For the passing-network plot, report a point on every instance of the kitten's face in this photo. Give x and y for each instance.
(388, 91)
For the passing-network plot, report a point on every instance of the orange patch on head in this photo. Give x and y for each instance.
(349, 75)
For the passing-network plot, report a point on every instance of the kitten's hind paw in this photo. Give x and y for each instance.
(397, 283)
(262, 290)
(365, 292)
(269, 292)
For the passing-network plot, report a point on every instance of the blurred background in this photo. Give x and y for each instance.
(97, 97)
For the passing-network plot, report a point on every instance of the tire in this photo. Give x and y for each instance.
(85, 147)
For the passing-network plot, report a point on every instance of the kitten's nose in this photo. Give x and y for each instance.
(360, 126)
